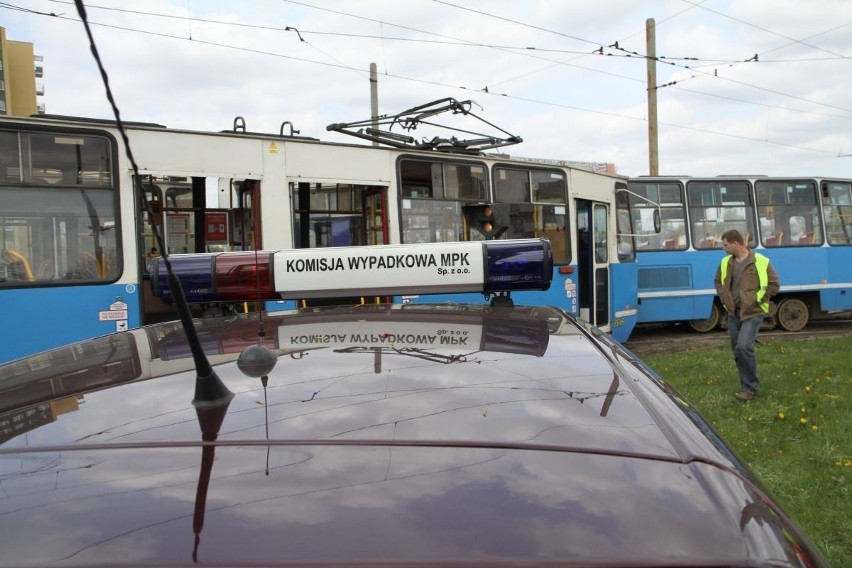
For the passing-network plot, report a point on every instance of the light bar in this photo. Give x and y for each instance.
(431, 268)
(216, 277)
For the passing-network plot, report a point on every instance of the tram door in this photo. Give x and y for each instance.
(332, 214)
(245, 219)
(593, 261)
(179, 207)
(374, 218)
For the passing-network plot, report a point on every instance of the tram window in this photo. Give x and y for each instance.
(624, 227)
(431, 221)
(512, 186)
(57, 210)
(528, 213)
(529, 220)
(644, 198)
(56, 160)
(525, 186)
(462, 181)
(837, 207)
(716, 207)
(601, 234)
(64, 160)
(10, 172)
(179, 197)
(328, 215)
(420, 179)
(433, 194)
(442, 180)
(56, 237)
(789, 213)
(548, 187)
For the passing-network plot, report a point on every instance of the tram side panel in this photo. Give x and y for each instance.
(676, 285)
(838, 295)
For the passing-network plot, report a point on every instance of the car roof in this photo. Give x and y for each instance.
(433, 434)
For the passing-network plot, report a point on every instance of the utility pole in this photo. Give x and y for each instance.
(651, 59)
(374, 98)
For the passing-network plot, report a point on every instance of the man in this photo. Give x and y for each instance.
(745, 281)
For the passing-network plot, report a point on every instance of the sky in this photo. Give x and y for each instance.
(742, 86)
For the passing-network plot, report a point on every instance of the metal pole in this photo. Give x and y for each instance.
(374, 98)
(653, 152)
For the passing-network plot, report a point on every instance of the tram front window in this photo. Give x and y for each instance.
(57, 210)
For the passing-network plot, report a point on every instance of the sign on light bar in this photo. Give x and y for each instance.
(526, 336)
(433, 268)
(387, 329)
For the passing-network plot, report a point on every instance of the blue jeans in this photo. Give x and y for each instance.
(743, 335)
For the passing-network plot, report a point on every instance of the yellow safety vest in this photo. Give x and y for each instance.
(761, 263)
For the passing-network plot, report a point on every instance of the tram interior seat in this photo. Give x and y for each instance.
(807, 238)
(45, 270)
(17, 265)
(670, 243)
(707, 243)
(774, 240)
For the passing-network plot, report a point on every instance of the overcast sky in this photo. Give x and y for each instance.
(744, 86)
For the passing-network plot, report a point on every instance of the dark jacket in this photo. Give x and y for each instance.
(749, 287)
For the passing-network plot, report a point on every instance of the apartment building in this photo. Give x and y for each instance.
(20, 68)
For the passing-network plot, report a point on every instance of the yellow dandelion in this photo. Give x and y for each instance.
(803, 420)
(814, 428)
(781, 416)
(807, 389)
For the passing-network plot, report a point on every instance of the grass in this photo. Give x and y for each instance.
(796, 435)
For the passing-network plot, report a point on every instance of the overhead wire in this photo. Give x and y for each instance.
(486, 90)
(524, 51)
(520, 50)
(660, 59)
(792, 40)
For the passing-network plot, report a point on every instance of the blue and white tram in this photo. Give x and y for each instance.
(76, 239)
(804, 225)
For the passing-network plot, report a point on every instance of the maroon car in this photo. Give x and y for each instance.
(417, 435)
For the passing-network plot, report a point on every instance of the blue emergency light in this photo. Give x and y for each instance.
(488, 267)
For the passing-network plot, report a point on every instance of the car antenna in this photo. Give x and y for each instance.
(258, 360)
(209, 388)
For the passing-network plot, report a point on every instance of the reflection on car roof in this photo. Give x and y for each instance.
(442, 434)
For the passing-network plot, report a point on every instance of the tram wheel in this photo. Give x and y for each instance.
(708, 324)
(792, 314)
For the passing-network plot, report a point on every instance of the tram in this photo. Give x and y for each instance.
(804, 226)
(76, 221)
